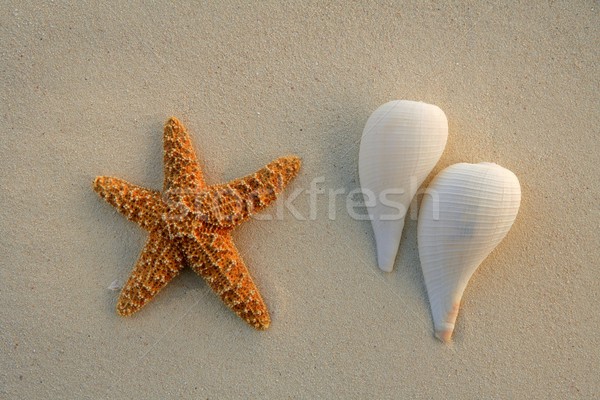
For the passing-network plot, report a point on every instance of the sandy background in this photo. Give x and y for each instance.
(85, 90)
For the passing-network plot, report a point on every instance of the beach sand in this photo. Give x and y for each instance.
(85, 90)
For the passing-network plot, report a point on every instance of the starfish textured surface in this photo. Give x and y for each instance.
(190, 223)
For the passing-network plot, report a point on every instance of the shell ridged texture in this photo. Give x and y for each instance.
(468, 210)
(401, 143)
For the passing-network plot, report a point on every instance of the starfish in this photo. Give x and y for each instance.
(190, 224)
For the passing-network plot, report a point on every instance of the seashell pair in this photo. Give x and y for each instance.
(465, 214)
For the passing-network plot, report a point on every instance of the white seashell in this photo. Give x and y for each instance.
(401, 143)
(115, 285)
(467, 211)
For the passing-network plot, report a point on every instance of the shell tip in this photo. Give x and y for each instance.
(386, 256)
(386, 267)
(444, 335)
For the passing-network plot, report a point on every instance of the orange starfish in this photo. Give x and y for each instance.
(190, 223)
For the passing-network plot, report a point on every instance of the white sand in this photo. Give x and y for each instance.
(85, 90)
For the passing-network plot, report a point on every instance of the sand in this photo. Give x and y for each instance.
(85, 90)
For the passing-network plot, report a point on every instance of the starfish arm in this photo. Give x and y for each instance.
(137, 204)
(159, 262)
(230, 204)
(213, 256)
(180, 162)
